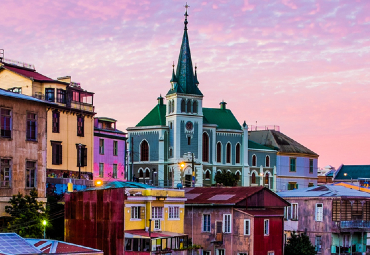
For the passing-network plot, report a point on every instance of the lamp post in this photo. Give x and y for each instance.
(44, 223)
(345, 174)
(79, 160)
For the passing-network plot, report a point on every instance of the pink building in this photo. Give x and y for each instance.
(109, 150)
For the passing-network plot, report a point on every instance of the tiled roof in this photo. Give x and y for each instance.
(354, 171)
(156, 117)
(216, 195)
(223, 118)
(23, 97)
(29, 73)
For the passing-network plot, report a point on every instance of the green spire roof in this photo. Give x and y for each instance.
(186, 80)
(173, 79)
(223, 118)
(156, 117)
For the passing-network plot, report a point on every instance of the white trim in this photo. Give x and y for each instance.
(240, 153)
(228, 171)
(268, 227)
(205, 173)
(224, 225)
(133, 198)
(140, 151)
(219, 171)
(249, 227)
(174, 205)
(219, 142)
(176, 199)
(133, 205)
(231, 153)
(209, 148)
(252, 160)
(268, 156)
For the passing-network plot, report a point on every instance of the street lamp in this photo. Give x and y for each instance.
(182, 165)
(44, 223)
(79, 160)
(345, 174)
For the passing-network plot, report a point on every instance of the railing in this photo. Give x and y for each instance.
(267, 127)
(355, 224)
(82, 106)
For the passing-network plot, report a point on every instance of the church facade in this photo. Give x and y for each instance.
(181, 143)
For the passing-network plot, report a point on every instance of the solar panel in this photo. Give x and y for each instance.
(221, 197)
(11, 243)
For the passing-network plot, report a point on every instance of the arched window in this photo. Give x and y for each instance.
(169, 107)
(254, 160)
(195, 107)
(188, 106)
(237, 175)
(170, 153)
(141, 174)
(205, 147)
(182, 105)
(208, 175)
(173, 106)
(218, 154)
(253, 178)
(147, 173)
(267, 161)
(267, 178)
(144, 151)
(237, 153)
(228, 153)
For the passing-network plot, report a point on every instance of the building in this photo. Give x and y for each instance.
(235, 220)
(333, 216)
(70, 122)
(109, 150)
(353, 173)
(22, 146)
(127, 218)
(296, 165)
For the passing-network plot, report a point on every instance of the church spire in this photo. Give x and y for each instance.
(186, 80)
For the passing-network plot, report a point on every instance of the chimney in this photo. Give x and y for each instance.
(160, 100)
(223, 105)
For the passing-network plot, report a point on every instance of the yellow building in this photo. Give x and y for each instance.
(70, 120)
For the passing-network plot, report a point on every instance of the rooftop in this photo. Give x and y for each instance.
(353, 172)
(7, 93)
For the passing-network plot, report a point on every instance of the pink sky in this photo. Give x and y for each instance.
(302, 65)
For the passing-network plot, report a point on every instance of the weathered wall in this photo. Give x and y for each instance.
(272, 242)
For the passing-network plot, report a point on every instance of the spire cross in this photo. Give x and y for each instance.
(186, 15)
(173, 64)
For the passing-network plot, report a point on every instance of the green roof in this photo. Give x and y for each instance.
(223, 118)
(353, 171)
(156, 117)
(253, 145)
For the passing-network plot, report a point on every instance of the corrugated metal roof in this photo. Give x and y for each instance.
(121, 184)
(59, 247)
(11, 243)
(7, 93)
(353, 171)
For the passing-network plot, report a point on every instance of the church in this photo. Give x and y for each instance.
(181, 143)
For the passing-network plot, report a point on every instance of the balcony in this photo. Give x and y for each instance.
(82, 106)
(361, 224)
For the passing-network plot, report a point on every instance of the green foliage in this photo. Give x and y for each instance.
(226, 178)
(299, 244)
(27, 215)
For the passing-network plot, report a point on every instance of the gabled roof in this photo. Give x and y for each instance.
(6, 93)
(29, 73)
(223, 118)
(354, 171)
(276, 139)
(156, 117)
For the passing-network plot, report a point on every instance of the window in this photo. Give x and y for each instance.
(114, 171)
(311, 166)
(169, 107)
(141, 173)
(147, 173)
(205, 147)
(170, 125)
(195, 107)
(218, 156)
(270, 253)
(318, 243)
(173, 106)
(253, 178)
(76, 96)
(319, 212)
(56, 151)
(30, 174)
(267, 162)
(182, 105)
(49, 95)
(5, 172)
(157, 212)
(157, 224)
(287, 210)
(144, 151)
(292, 185)
(6, 123)
(115, 148)
(293, 164)
(81, 155)
(294, 214)
(31, 126)
(206, 253)
(237, 175)
(135, 212)
(310, 184)
(101, 170)
(174, 212)
(228, 153)
(266, 227)
(247, 227)
(227, 223)
(188, 106)
(61, 96)
(220, 252)
(237, 153)
(80, 125)
(189, 140)
(267, 179)
(55, 122)
(101, 146)
(170, 153)
(243, 253)
(254, 160)
(206, 223)
(208, 174)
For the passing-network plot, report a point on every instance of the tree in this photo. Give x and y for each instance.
(299, 244)
(226, 178)
(27, 215)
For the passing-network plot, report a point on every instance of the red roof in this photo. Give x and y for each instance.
(219, 195)
(66, 248)
(28, 73)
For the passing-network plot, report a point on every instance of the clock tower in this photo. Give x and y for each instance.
(184, 117)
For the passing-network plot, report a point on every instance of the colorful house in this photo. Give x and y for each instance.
(235, 220)
(70, 122)
(336, 218)
(22, 146)
(109, 150)
(359, 174)
(296, 165)
(127, 218)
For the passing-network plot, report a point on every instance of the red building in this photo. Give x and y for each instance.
(235, 220)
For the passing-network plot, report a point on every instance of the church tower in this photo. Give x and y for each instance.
(184, 118)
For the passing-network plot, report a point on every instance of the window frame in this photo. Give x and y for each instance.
(144, 151)
(267, 161)
(237, 153)
(157, 213)
(227, 223)
(135, 213)
(55, 121)
(254, 160)
(31, 123)
(219, 152)
(80, 125)
(249, 227)
(319, 217)
(205, 147)
(61, 96)
(101, 170)
(266, 231)
(228, 153)
(50, 91)
(310, 171)
(293, 166)
(115, 171)
(56, 153)
(294, 211)
(29, 176)
(3, 182)
(115, 148)
(101, 146)
(3, 117)
(317, 244)
(174, 212)
(206, 227)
